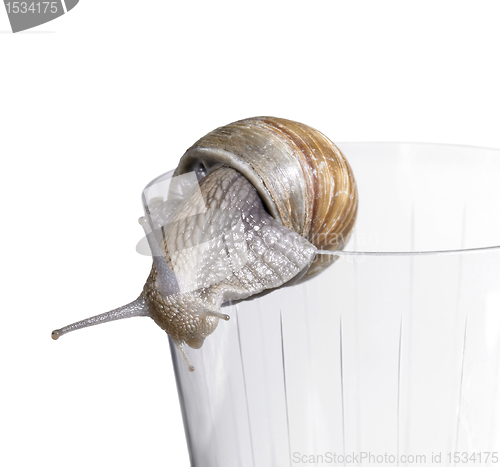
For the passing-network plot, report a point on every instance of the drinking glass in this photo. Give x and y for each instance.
(391, 355)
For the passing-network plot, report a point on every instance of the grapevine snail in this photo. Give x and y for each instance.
(268, 195)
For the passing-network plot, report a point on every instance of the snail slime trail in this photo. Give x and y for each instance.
(268, 193)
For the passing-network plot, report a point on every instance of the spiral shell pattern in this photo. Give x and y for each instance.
(303, 179)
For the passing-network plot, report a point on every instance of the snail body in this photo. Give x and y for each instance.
(271, 193)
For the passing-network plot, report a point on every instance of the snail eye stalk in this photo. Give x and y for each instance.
(138, 307)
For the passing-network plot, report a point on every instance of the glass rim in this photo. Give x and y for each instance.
(410, 253)
(422, 143)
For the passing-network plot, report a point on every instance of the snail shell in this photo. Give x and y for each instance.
(303, 179)
(272, 193)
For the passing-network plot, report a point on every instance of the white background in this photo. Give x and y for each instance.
(97, 103)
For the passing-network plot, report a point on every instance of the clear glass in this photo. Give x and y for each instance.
(392, 351)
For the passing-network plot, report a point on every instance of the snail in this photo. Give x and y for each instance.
(253, 205)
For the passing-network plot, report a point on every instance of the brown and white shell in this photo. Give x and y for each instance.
(301, 176)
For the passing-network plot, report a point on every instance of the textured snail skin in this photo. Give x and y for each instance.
(256, 254)
(273, 194)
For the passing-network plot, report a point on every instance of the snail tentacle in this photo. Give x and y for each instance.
(138, 307)
(182, 351)
(218, 314)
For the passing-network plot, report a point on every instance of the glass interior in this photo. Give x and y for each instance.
(425, 197)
